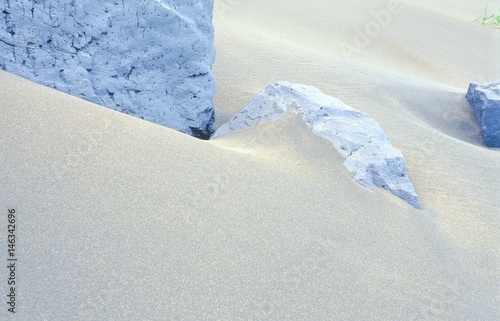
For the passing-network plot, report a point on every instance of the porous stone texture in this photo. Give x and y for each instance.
(357, 137)
(485, 100)
(147, 58)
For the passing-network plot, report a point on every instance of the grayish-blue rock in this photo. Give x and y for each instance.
(485, 100)
(366, 149)
(147, 58)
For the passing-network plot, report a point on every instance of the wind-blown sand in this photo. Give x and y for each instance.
(120, 219)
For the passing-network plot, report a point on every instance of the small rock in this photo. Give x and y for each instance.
(357, 137)
(485, 100)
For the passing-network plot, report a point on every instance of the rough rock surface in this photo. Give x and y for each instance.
(485, 100)
(148, 58)
(357, 137)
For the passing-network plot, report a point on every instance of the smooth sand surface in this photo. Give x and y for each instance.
(120, 219)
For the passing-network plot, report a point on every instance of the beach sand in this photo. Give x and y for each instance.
(121, 219)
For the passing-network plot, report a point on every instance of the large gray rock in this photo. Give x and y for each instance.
(485, 100)
(148, 58)
(357, 137)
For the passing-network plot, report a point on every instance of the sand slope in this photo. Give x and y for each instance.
(120, 219)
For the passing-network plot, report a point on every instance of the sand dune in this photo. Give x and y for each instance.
(120, 219)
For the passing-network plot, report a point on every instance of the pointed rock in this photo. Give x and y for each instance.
(357, 137)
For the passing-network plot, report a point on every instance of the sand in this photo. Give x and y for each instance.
(120, 219)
